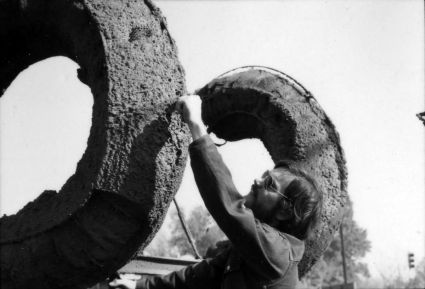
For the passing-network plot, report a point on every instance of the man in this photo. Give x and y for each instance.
(266, 228)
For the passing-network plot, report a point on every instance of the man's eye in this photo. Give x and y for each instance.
(269, 184)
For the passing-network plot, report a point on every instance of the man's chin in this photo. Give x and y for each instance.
(249, 200)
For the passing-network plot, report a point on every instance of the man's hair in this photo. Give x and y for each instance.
(305, 200)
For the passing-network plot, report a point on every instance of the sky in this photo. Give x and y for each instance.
(362, 60)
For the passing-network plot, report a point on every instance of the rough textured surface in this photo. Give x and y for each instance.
(269, 105)
(137, 148)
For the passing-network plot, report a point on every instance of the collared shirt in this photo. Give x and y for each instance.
(259, 255)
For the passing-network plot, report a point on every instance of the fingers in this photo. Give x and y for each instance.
(179, 105)
(187, 98)
(190, 107)
(116, 283)
(181, 102)
(123, 283)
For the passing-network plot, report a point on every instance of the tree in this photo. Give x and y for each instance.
(417, 281)
(202, 227)
(328, 270)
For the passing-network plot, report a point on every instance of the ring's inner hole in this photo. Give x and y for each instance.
(45, 119)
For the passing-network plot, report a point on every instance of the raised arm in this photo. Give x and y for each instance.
(222, 199)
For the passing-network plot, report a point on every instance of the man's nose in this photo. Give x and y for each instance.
(257, 182)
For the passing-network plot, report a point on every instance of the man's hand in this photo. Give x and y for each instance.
(190, 107)
(123, 283)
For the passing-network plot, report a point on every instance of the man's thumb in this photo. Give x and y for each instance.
(114, 283)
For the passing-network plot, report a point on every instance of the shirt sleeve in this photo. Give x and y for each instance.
(257, 247)
(205, 274)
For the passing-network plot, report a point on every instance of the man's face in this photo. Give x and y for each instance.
(266, 192)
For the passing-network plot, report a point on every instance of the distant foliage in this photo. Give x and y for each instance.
(202, 226)
(204, 230)
(415, 282)
(328, 270)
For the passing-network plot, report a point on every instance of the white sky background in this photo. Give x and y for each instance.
(362, 60)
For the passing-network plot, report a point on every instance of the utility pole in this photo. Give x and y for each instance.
(346, 285)
(186, 230)
(344, 265)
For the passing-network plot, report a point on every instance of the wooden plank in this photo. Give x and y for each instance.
(350, 285)
(146, 265)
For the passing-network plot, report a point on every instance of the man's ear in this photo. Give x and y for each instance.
(283, 214)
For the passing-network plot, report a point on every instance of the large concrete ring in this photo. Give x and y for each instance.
(258, 102)
(137, 148)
